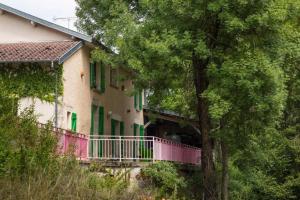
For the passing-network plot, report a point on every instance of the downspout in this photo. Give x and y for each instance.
(56, 97)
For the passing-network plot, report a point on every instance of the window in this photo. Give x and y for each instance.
(97, 120)
(138, 101)
(113, 77)
(74, 122)
(97, 76)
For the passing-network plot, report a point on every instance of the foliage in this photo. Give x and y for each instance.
(31, 169)
(165, 177)
(249, 51)
(23, 146)
(31, 80)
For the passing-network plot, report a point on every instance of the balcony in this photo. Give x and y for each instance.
(141, 149)
(124, 148)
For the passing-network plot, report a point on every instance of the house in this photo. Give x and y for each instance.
(89, 98)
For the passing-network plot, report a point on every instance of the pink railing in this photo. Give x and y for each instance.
(124, 148)
(171, 151)
(71, 143)
(141, 148)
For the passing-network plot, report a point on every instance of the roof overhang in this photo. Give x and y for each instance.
(169, 116)
(38, 52)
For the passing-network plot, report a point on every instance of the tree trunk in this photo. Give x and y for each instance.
(225, 177)
(207, 163)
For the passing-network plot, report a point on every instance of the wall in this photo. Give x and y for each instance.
(43, 110)
(17, 29)
(78, 97)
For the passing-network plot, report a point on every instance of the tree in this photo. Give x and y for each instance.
(228, 48)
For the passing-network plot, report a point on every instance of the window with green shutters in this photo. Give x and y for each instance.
(138, 101)
(97, 76)
(74, 122)
(93, 75)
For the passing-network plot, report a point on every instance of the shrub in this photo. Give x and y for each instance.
(164, 177)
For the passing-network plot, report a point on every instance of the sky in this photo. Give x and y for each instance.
(46, 9)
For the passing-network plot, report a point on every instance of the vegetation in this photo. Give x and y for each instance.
(30, 168)
(166, 180)
(234, 64)
(18, 80)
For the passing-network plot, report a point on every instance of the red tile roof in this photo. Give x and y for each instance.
(35, 51)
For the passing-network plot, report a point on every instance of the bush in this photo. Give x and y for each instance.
(164, 177)
(31, 169)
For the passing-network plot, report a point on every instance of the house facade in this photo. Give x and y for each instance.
(96, 108)
(94, 101)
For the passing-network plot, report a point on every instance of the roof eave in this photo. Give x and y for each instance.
(70, 52)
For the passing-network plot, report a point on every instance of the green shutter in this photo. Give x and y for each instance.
(121, 128)
(100, 129)
(140, 100)
(142, 130)
(135, 100)
(74, 122)
(93, 109)
(92, 75)
(102, 78)
(122, 134)
(101, 121)
(113, 132)
(135, 130)
(142, 134)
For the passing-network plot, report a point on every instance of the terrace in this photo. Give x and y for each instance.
(125, 148)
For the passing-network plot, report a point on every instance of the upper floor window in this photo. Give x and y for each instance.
(114, 77)
(97, 76)
(138, 101)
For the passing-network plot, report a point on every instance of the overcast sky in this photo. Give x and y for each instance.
(46, 9)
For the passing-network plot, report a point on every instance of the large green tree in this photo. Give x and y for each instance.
(229, 50)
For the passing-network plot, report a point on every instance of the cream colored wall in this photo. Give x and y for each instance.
(17, 29)
(78, 97)
(44, 111)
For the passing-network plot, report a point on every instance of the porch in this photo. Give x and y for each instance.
(125, 148)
